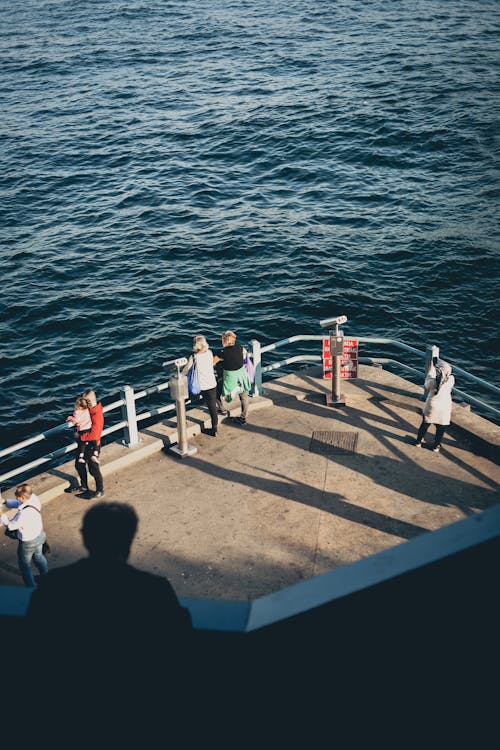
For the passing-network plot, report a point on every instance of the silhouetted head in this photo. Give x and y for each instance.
(108, 530)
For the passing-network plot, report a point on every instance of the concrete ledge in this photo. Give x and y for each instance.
(265, 611)
(390, 564)
(14, 600)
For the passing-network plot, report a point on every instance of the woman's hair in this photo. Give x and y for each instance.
(443, 372)
(200, 344)
(91, 398)
(81, 403)
(229, 337)
(24, 491)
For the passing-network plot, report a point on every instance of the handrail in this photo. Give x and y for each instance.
(130, 418)
(465, 396)
(35, 439)
(380, 361)
(361, 339)
(72, 446)
(384, 341)
(54, 431)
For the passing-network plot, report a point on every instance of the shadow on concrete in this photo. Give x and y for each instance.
(357, 418)
(316, 384)
(300, 492)
(471, 441)
(395, 474)
(72, 479)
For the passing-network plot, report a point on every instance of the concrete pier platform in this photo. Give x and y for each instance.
(301, 489)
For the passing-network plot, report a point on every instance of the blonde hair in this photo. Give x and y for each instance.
(200, 344)
(82, 403)
(24, 490)
(91, 398)
(229, 337)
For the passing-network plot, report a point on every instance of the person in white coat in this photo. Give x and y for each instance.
(439, 383)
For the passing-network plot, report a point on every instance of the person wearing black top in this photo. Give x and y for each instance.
(235, 379)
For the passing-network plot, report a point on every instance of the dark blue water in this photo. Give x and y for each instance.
(172, 168)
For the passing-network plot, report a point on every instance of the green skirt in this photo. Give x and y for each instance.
(234, 378)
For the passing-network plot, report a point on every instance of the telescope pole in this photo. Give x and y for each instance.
(336, 349)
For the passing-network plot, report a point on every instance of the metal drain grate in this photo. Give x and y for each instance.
(328, 442)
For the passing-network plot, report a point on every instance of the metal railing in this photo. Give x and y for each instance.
(128, 423)
(260, 370)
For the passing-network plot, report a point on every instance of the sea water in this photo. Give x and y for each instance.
(183, 167)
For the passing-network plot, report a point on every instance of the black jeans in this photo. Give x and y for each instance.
(219, 375)
(439, 433)
(91, 453)
(210, 399)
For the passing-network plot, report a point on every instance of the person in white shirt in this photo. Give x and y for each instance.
(28, 525)
(204, 361)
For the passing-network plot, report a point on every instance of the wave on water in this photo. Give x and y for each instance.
(184, 167)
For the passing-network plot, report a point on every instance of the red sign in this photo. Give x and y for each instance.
(348, 362)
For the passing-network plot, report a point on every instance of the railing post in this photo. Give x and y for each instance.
(129, 416)
(431, 351)
(257, 361)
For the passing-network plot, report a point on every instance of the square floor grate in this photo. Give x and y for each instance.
(328, 442)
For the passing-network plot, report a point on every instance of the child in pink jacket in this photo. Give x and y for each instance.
(82, 421)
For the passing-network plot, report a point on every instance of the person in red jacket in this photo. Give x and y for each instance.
(91, 442)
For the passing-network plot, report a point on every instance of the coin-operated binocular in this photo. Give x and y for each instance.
(178, 386)
(336, 398)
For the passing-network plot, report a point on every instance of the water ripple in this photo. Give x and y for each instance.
(171, 168)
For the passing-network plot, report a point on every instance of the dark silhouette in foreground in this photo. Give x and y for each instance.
(103, 631)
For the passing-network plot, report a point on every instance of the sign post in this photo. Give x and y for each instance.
(340, 360)
(336, 398)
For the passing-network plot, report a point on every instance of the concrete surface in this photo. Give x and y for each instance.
(256, 510)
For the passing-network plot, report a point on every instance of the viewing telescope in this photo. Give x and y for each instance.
(333, 321)
(179, 362)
